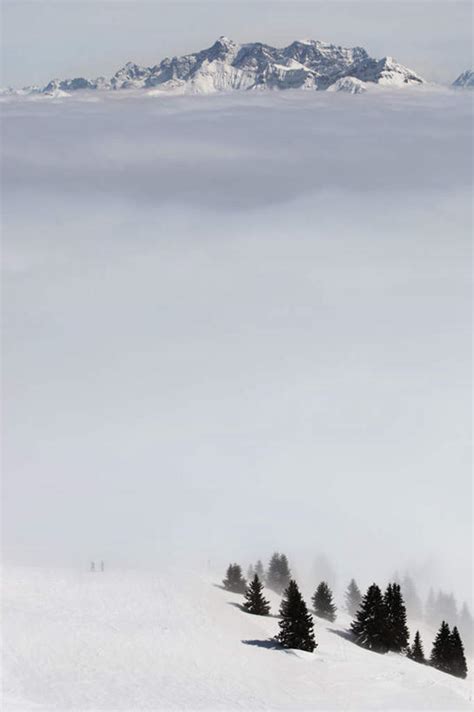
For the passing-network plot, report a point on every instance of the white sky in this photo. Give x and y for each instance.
(43, 39)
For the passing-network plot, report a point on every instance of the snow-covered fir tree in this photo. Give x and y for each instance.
(234, 581)
(412, 600)
(395, 627)
(466, 627)
(278, 575)
(323, 604)
(296, 623)
(254, 601)
(368, 626)
(458, 665)
(441, 653)
(353, 598)
(416, 652)
(259, 570)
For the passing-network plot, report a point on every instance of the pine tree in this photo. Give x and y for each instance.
(441, 654)
(234, 581)
(412, 599)
(279, 574)
(466, 627)
(369, 624)
(395, 628)
(296, 623)
(416, 652)
(353, 598)
(430, 608)
(255, 602)
(259, 570)
(458, 666)
(322, 602)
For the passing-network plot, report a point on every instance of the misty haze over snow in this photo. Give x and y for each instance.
(239, 323)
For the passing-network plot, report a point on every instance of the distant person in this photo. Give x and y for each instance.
(92, 566)
(102, 566)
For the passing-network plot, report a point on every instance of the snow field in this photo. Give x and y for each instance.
(134, 640)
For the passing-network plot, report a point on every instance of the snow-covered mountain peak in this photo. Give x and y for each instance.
(465, 80)
(227, 66)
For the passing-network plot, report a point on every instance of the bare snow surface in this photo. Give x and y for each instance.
(133, 640)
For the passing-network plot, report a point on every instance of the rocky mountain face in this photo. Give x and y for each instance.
(228, 66)
(465, 80)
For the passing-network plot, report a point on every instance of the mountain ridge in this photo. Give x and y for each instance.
(229, 66)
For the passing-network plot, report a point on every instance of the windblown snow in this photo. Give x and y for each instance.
(131, 640)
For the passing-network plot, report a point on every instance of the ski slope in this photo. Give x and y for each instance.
(134, 640)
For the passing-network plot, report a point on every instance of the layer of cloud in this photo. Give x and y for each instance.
(234, 324)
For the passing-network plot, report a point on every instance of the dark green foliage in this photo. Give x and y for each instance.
(255, 602)
(395, 629)
(416, 652)
(458, 666)
(322, 602)
(441, 653)
(448, 652)
(279, 574)
(369, 624)
(234, 580)
(296, 624)
(353, 598)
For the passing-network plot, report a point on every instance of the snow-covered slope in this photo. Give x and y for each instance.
(226, 66)
(465, 80)
(143, 641)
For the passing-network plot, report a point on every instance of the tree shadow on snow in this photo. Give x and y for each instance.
(269, 644)
(346, 634)
(240, 606)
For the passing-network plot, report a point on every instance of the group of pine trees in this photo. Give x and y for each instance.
(448, 652)
(380, 624)
(380, 619)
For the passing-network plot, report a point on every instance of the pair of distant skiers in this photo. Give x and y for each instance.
(102, 566)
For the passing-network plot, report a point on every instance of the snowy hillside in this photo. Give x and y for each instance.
(226, 66)
(135, 640)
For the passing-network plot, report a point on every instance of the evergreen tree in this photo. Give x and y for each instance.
(353, 598)
(259, 570)
(278, 575)
(322, 602)
(395, 628)
(416, 652)
(412, 599)
(369, 624)
(296, 623)
(441, 656)
(255, 602)
(250, 573)
(466, 627)
(430, 608)
(458, 666)
(234, 581)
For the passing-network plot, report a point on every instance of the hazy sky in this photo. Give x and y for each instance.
(43, 39)
(235, 324)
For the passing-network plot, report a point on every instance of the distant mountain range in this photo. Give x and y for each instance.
(228, 66)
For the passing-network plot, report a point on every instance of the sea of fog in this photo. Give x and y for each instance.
(239, 323)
